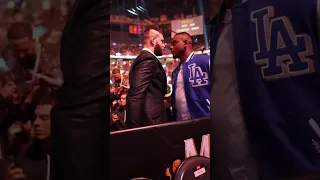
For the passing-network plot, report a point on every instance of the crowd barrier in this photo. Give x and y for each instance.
(148, 151)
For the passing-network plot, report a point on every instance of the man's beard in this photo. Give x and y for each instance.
(28, 62)
(175, 56)
(158, 50)
(178, 53)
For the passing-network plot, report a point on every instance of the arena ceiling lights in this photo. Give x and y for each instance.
(138, 11)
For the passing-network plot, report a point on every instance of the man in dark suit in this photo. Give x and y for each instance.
(148, 84)
(80, 117)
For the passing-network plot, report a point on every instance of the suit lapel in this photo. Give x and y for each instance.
(164, 75)
(159, 63)
(161, 67)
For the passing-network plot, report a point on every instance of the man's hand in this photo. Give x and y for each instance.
(51, 81)
(115, 117)
(8, 89)
(15, 173)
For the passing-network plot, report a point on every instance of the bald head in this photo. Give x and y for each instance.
(154, 41)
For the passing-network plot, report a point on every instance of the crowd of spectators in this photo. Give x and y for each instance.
(26, 99)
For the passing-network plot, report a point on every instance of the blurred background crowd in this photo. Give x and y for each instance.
(30, 33)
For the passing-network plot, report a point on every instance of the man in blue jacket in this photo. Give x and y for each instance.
(265, 97)
(191, 80)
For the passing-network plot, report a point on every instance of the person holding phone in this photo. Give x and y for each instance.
(34, 162)
(118, 116)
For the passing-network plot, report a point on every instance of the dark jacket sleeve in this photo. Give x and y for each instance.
(80, 116)
(140, 78)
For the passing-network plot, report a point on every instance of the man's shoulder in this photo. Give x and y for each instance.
(202, 56)
(145, 54)
(200, 59)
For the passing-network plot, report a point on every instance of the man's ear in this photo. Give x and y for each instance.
(153, 41)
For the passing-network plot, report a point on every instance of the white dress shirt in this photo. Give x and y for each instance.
(182, 110)
(226, 109)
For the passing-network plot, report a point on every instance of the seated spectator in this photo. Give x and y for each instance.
(118, 116)
(34, 162)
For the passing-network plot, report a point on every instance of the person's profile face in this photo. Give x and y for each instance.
(24, 51)
(42, 122)
(177, 47)
(159, 45)
(117, 76)
(123, 99)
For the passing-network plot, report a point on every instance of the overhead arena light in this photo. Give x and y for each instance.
(131, 12)
(142, 8)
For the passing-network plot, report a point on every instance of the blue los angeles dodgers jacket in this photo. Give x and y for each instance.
(196, 78)
(276, 49)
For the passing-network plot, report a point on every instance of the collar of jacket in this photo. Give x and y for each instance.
(146, 49)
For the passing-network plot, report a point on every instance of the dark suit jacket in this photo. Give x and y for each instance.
(80, 117)
(148, 85)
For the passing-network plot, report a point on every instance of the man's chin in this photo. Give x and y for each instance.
(40, 137)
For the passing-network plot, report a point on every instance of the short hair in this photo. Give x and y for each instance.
(47, 100)
(184, 34)
(124, 93)
(146, 34)
(19, 30)
(147, 31)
